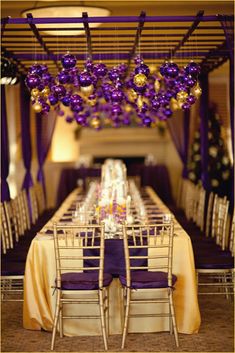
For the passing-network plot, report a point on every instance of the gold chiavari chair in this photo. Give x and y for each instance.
(12, 271)
(148, 257)
(79, 253)
(40, 197)
(201, 209)
(215, 268)
(4, 231)
(34, 204)
(209, 213)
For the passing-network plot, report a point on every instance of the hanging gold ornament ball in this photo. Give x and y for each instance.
(157, 86)
(139, 102)
(92, 102)
(196, 90)
(174, 104)
(153, 124)
(182, 96)
(88, 90)
(95, 123)
(132, 95)
(37, 107)
(35, 92)
(128, 108)
(46, 91)
(140, 80)
(152, 68)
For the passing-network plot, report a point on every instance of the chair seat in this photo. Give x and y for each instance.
(214, 262)
(147, 279)
(83, 280)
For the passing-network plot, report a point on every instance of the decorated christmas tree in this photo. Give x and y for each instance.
(219, 165)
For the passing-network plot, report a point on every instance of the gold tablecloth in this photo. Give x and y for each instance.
(39, 301)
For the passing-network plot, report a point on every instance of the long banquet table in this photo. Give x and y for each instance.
(40, 271)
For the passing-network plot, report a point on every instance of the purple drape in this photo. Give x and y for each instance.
(44, 130)
(228, 27)
(179, 130)
(5, 159)
(204, 102)
(25, 133)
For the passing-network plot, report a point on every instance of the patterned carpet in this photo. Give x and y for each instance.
(216, 334)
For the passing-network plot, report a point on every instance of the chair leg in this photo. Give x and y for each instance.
(170, 321)
(106, 308)
(55, 322)
(173, 319)
(61, 321)
(102, 318)
(127, 309)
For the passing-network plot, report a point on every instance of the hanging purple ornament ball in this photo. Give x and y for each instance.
(155, 104)
(63, 77)
(191, 99)
(46, 78)
(114, 74)
(189, 80)
(32, 81)
(60, 112)
(142, 69)
(80, 118)
(77, 108)
(85, 79)
(44, 68)
(144, 107)
(68, 61)
(146, 121)
(138, 60)
(116, 95)
(163, 68)
(52, 99)
(66, 100)
(116, 109)
(75, 99)
(171, 70)
(58, 90)
(100, 70)
(167, 112)
(185, 106)
(192, 69)
(45, 108)
(69, 119)
(36, 69)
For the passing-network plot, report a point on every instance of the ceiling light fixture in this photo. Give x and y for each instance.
(66, 11)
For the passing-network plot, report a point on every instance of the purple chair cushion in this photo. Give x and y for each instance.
(145, 279)
(83, 281)
(214, 262)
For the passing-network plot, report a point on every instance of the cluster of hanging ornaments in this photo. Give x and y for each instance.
(97, 96)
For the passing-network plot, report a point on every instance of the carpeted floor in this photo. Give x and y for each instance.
(216, 334)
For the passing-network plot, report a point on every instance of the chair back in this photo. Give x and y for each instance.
(12, 224)
(231, 237)
(4, 231)
(40, 197)
(209, 213)
(222, 223)
(79, 248)
(34, 204)
(201, 208)
(149, 247)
